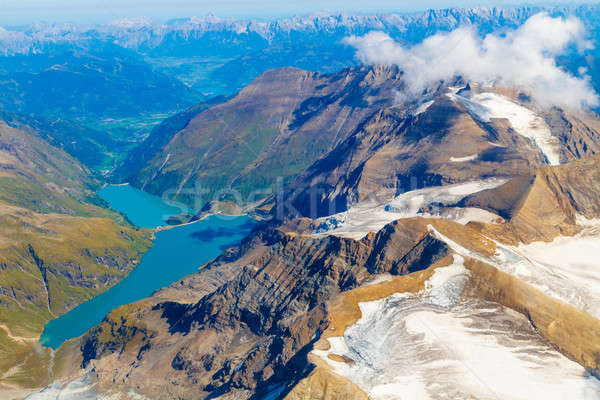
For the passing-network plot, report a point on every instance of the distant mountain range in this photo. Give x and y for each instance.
(145, 35)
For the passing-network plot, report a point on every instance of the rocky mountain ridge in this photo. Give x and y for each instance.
(262, 319)
(350, 137)
(445, 141)
(271, 130)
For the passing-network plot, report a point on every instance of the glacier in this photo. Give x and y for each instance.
(414, 346)
(359, 220)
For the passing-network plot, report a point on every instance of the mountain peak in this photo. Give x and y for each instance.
(132, 23)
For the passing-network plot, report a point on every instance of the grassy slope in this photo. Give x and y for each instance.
(35, 175)
(80, 258)
(58, 248)
(214, 170)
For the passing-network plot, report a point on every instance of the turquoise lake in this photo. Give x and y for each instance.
(176, 252)
(142, 209)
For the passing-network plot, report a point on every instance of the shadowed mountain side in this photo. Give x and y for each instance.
(394, 152)
(578, 133)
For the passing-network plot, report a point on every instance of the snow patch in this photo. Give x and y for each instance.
(463, 159)
(132, 23)
(423, 107)
(468, 214)
(447, 283)
(385, 277)
(568, 268)
(79, 389)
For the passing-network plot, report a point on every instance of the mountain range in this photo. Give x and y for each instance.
(359, 140)
(144, 34)
(427, 210)
(435, 244)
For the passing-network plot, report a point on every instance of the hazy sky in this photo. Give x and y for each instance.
(17, 12)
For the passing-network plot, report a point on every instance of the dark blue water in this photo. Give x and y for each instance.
(177, 252)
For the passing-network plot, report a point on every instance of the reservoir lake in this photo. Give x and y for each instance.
(176, 252)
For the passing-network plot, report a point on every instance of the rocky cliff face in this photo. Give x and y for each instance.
(544, 204)
(251, 331)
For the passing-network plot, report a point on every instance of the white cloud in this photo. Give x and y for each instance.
(525, 57)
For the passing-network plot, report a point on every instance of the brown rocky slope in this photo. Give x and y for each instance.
(274, 128)
(393, 153)
(244, 325)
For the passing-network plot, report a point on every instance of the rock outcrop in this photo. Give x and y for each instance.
(252, 331)
(544, 204)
